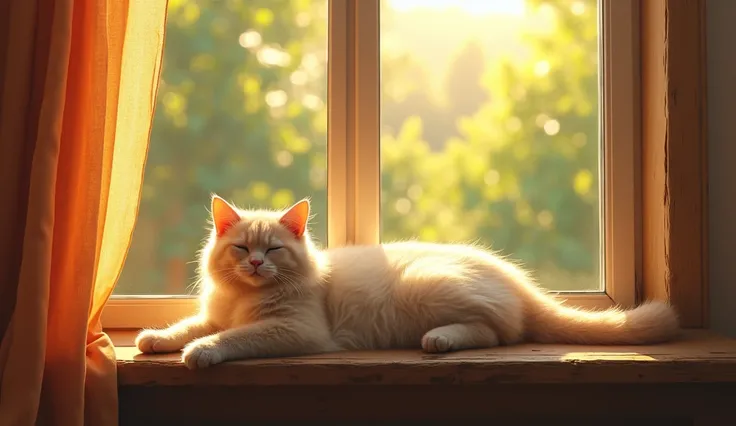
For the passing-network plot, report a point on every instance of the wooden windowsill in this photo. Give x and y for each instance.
(697, 357)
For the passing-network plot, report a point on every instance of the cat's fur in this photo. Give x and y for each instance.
(403, 295)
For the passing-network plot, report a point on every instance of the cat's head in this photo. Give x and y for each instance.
(257, 248)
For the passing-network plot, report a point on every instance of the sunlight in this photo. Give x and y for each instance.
(242, 109)
(605, 356)
(475, 7)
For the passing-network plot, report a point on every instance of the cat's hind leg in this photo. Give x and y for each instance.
(455, 337)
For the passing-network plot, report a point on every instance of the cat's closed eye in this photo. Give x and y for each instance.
(241, 248)
(274, 249)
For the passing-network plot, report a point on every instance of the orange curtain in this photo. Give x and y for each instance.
(78, 80)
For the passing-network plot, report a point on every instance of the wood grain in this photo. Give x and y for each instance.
(674, 168)
(698, 357)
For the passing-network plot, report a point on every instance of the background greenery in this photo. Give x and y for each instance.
(489, 129)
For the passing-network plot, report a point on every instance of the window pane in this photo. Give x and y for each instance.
(490, 130)
(240, 112)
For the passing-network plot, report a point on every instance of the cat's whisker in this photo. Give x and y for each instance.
(294, 273)
(284, 281)
(291, 275)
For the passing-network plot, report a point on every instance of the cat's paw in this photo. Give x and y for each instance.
(436, 343)
(156, 341)
(201, 354)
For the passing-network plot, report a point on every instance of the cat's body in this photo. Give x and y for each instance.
(389, 296)
(401, 295)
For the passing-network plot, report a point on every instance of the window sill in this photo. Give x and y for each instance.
(698, 357)
(688, 382)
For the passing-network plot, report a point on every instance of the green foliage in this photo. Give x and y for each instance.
(522, 177)
(215, 132)
(508, 157)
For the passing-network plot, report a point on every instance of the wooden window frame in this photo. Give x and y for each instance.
(654, 135)
(674, 157)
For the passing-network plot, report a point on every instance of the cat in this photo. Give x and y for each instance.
(267, 291)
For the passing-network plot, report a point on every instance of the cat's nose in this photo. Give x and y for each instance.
(256, 262)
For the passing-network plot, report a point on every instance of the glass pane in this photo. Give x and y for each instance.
(490, 130)
(240, 112)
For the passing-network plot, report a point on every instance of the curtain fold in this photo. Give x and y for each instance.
(78, 80)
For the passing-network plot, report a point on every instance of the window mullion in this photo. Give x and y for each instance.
(339, 216)
(366, 120)
(353, 176)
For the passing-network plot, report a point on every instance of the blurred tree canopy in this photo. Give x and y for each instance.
(522, 175)
(507, 156)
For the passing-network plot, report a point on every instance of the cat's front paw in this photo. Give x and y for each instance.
(157, 341)
(201, 354)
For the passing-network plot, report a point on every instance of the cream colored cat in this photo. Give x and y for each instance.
(268, 292)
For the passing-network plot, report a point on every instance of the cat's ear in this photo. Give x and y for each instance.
(223, 215)
(295, 219)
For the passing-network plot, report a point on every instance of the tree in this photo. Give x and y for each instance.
(241, 113)
(523, 175)
(463, 84)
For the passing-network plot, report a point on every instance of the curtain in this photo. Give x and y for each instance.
(78, 80)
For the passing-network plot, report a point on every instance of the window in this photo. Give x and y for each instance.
(512, 123)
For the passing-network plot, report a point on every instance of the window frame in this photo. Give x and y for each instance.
(354, 133)
(674, 153)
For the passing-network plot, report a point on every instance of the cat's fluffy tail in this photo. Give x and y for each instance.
(548, 321)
